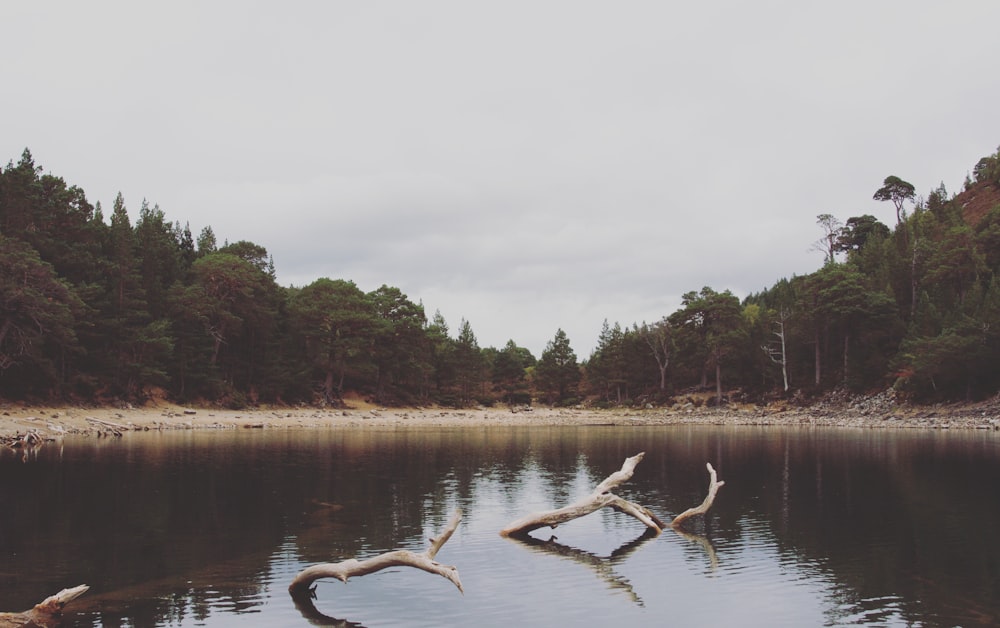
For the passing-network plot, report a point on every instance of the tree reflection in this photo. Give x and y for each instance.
(602, 566)
(304, 604)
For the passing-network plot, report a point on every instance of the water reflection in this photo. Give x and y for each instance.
(813, 527)
(602, 566)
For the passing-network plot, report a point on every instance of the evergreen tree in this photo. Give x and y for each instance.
(557, 373)
(510, 373)
(37, 317)
(441, 348)
(159, 258)
(400, 352)
(710, 323)
(468, 363)
(336, 323)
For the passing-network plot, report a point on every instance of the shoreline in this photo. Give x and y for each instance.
(16, 420)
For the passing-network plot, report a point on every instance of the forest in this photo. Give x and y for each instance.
(98, 310)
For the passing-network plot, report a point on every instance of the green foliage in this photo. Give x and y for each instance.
(399, 346)
(557, 373)
(710, 331)
(37, 319)
(857, 233)
(104, 310)
(510, 373)
(987, 169)
(897, 191)
(334, 321)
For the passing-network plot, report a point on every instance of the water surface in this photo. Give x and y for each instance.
(813, 527)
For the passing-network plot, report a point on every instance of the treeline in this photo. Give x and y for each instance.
(100, 310)
(103, 310)
(915, 307)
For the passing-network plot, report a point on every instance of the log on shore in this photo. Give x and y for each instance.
(398, 558)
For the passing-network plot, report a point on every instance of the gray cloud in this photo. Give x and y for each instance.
(524, 165)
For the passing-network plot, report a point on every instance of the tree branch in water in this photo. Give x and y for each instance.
(599, 498)
(45, 613)
(713, 487)
(398, 558)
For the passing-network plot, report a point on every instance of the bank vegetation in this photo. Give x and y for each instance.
(97, 309)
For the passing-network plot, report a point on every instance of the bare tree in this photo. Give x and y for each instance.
(827, 245)
(660, 338)
(777, 354)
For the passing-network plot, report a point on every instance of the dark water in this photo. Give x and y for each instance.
(813, 527)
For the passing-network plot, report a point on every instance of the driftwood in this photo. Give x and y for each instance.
(115, 429)
(46, 612)
(397, 558)
(601, 497)
(713, 487)
(29, 439)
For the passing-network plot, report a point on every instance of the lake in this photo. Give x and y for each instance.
(814, 527)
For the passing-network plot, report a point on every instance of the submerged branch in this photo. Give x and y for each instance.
(46, 612)
(599, 498)
(713, 487)
(398, 558)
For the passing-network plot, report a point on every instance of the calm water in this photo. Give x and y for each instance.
(813, 527)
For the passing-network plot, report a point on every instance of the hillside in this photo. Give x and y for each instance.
(978, 200)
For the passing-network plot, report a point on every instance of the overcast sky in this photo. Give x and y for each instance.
(527, 166)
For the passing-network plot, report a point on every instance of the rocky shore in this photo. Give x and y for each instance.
(24, 424)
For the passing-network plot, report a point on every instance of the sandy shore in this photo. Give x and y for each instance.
(48, 422)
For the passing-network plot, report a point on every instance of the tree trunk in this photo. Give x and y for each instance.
(847, 344)
(328, 386)
(914, 282)
(718, 383)
(784, 357)
(818, 361)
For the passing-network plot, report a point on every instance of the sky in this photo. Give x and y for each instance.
(524, 166)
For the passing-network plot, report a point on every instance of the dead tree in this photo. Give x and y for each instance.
(601, 497)
(777, 354)
(45, 613)
(397, 558)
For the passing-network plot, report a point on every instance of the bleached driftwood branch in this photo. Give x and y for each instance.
(599, 498)
(397, 558)
(713, 487)
(46, 612)
(602, 497)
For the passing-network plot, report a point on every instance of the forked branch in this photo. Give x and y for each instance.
(599, 498)
(602, 497)
(397, 558)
